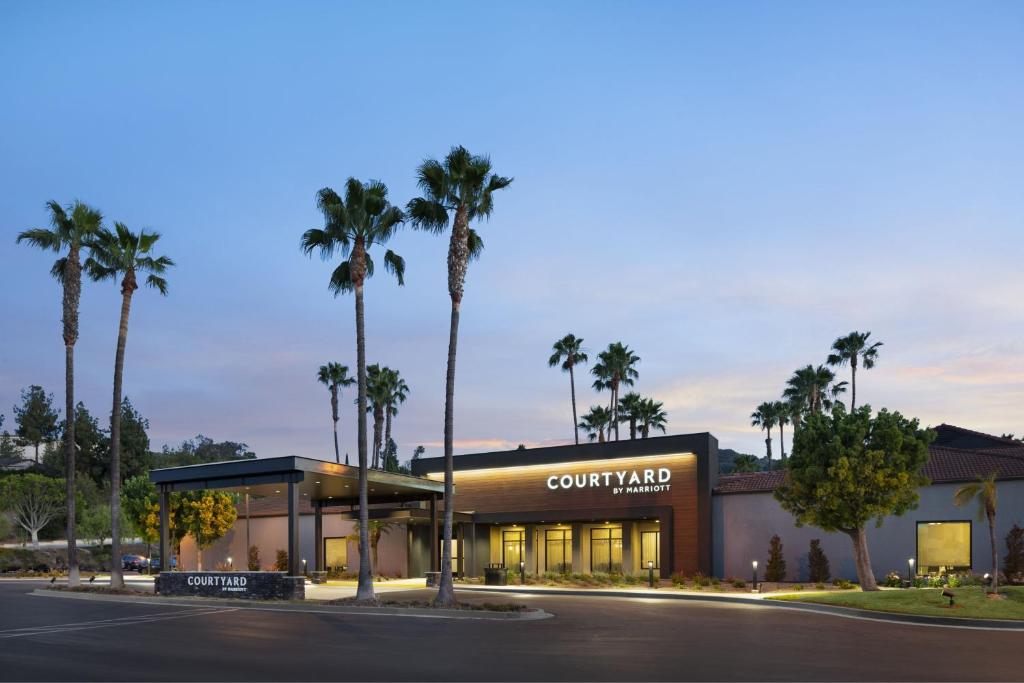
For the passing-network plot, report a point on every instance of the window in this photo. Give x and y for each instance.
(558, 550)
(456, 553)
(943, 547)
(650, 549)
(512, 551)
(606, 550)
(336, 553)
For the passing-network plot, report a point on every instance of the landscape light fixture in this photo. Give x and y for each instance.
(522, 572)
(753, 586)
(650, 573)
(910, 569)
(229, 562)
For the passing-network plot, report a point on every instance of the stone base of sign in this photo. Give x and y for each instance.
(251, 585)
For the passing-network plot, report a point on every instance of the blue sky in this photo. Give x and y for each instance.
(725, 187)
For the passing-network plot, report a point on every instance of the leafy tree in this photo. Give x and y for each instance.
(200, 450)
(459, 190)
(10, 453)
(850, 349)
(92, 448)
(595, 422)
(568, 351)
(418, 453)
(125, 255)
(817, 563)
(984, 491)
(95, 525)
(766, 417)
(206, 516)
(849, 468)
(253, 559)
(615, 368)
(651, 416)
(775, 568)
(139, 500)
(1013, 563)
(335, 376)
(281, 562)
(352, 226)
(36, 418)
(390, 459)
(745, 463)
(71, 229)
(629, 411)
(33, 500)
(135, 455)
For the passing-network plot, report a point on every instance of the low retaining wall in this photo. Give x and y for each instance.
(252, 585)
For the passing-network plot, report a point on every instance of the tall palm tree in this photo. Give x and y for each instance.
(850, 349)
(781, 410)
(71, 229)
(569, 351)
(616, 367)
(650, 415)
(458, 190)
(765, 417)
(123, 254)
(809, 388)
(630, 406)
(335, 376)
(377, 398)
(984, 491)
(595, 422)
(353, 225)
(397, 392)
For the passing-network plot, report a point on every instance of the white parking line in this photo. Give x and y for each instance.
(107, 623)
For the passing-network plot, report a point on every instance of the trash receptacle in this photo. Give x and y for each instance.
(495, 575)
(433, 579)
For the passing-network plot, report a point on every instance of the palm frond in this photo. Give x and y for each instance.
(58, 268)
(157, 283)
(41, 238)
(395, 264)
(428, 215)
(341, 279)
(475, 244)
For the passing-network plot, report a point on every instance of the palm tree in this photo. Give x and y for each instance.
(629, 411)
(850, 349)
(765, 417)
(569, 351)
(984, 491)
(595, 422)
(71, 229)
(809, 388)
(397, 392)
(123, 254)
(458, 190)
(378, 396)
(335, 376)
(781, 410)
(744, 463)
(352, 226)
(615, 368)
(650, 415)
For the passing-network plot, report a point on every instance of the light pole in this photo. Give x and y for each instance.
(303, 566)
(910, 570)
(522, 572)
(650, 573)
(753, 587)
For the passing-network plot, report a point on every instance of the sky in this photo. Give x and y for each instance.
(725, 187)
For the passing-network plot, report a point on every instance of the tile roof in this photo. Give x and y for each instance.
(957, 455)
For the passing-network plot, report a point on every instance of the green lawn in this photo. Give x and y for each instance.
(971, 603)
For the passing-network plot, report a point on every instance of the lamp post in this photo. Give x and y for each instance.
(522, 572)
(753, 586)
(229, 563)
(303, 566)
(910, 570)
(650, 573)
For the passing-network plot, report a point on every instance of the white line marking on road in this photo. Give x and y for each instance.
(107, 623)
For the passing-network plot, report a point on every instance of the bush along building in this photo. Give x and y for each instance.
(614, 507)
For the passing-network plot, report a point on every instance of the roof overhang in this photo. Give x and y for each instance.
(318, 481)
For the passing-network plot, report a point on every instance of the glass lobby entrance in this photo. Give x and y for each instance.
(587, 548)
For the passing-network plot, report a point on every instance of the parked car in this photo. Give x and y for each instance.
(156, 565)
(134, 562)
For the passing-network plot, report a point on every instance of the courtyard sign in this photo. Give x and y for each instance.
(649, 480)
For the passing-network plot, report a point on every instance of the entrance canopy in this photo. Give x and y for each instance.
(300, 481)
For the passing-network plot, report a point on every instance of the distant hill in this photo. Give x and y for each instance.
(727, 455)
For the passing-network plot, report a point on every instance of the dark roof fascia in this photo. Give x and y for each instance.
(660, 445)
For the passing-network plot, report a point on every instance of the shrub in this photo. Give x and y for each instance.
(254, 559)
(819, 586)
(818, 563)
(739, 583)
(798, 587)
(893, 579)
(843, 584)
(699, 580)
(282, 561)
(1013, 563)
(678, 579)
(775, 570)
(715, 581)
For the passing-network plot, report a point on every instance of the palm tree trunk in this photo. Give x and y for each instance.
(116, 571)
(995, 551)
(782, 443)
(72, 295)
(364, 591)
(768, 447)
(862, 559)
(446, 587)
(334, 417)
(575, 421)
(853, 384)
(387, 432)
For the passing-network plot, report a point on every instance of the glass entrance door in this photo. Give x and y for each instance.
(512, 549)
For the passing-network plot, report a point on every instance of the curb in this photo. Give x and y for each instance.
(832, 610)
(414, 612)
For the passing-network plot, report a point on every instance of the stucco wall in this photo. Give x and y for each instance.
(744, 523)
(271, 533)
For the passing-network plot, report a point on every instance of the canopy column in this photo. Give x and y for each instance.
(435, 547)
(294, 560)
(318, 536)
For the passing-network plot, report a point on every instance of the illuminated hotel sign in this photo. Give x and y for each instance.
(649, 480)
